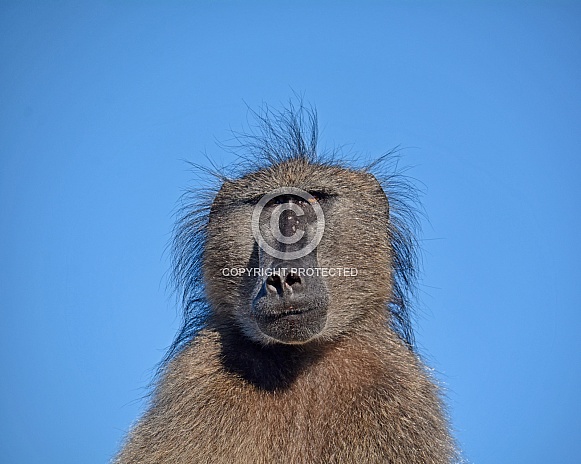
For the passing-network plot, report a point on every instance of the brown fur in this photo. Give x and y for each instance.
(355, 393)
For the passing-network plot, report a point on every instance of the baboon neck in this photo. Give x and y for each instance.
(267, 367)
(279, 366)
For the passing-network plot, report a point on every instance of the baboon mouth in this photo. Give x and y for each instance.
(291, 311)
(292, 324)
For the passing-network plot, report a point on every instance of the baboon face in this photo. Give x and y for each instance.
(298, 251)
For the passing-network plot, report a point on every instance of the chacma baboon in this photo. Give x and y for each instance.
(296, 347)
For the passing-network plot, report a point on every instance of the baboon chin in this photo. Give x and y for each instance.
(296, 346)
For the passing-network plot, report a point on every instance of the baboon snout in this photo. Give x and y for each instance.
(290, 299)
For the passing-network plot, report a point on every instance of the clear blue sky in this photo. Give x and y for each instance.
(101, 101)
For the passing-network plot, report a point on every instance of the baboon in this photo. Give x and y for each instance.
(289, 352)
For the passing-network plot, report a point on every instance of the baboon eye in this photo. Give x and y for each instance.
(277, 201)
(318, 195)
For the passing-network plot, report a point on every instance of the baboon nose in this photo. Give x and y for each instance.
(285, 285)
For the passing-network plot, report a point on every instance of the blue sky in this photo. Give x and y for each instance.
(100, 103)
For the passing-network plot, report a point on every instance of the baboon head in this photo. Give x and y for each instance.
(296, 247)
(286, 293)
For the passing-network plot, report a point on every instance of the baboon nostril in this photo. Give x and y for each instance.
(292, 279)
(273, 280)
(276, 285)
(273, 284)
(271, 288)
